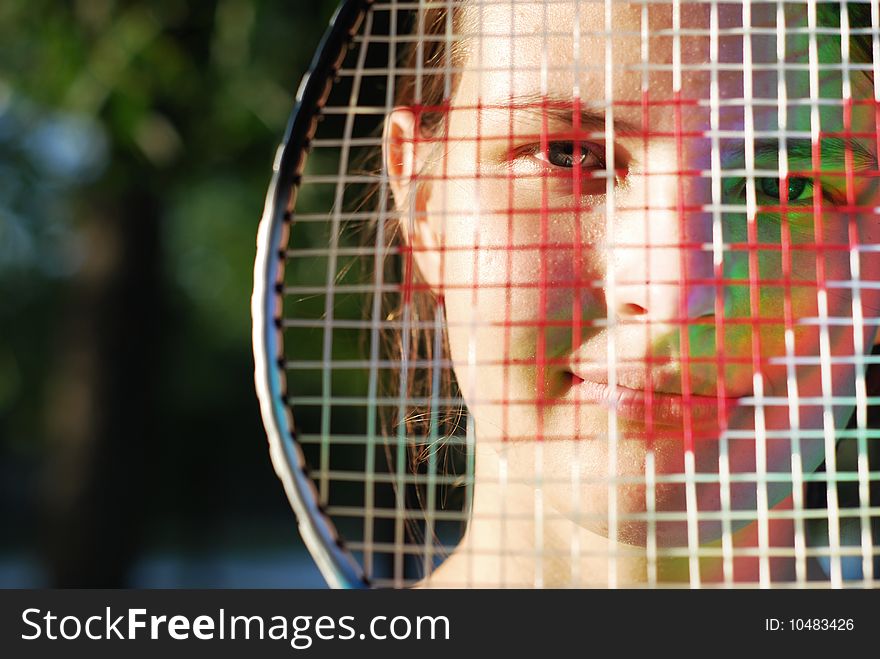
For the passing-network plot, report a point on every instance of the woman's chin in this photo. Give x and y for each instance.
(665, 535)
(656, 534)
(630, 523)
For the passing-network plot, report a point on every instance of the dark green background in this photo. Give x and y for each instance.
(136, 140)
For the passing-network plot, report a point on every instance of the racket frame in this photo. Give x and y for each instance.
(337, 565)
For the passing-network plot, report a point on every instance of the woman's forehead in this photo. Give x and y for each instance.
(567, 49)
(505, 18)
(575, 37)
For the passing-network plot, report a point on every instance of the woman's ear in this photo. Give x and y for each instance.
(404, 155)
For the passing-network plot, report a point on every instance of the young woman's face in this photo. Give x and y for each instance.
(708, 315)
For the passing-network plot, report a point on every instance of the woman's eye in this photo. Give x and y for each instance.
(797, 187)
(572, 154)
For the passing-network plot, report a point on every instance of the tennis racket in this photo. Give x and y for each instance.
(569, 293)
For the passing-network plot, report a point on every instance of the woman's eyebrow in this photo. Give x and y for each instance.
(832, 153)
(560, 110)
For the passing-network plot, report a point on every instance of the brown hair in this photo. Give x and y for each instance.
(427, 94)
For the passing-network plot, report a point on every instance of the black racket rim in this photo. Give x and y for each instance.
(336, 563)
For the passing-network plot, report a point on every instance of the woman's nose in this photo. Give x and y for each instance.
(661, 263)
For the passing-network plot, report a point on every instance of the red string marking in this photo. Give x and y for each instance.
(755, 299)
(642, 360)
(447, 104)
(752, 246)
(577, 253)
(786, 253)
(818, 225)
(508, 297)
(849, 168)
(549, 105)
(649, 375)
(528, 247)
(541, 356)
(757, 320)
(853, 235)
(876, 135)
(622, 172)
(821, 289)
(508, 301)
(719, 283)
(478, 177)
(684, 333)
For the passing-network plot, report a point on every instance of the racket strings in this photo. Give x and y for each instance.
(373, 386)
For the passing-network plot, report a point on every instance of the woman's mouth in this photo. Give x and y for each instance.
(649, 408)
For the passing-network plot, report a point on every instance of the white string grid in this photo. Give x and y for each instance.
(408, 468)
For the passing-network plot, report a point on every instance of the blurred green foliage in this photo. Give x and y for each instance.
(177, 107)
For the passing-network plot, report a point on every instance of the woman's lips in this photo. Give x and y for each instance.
(650, 407)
